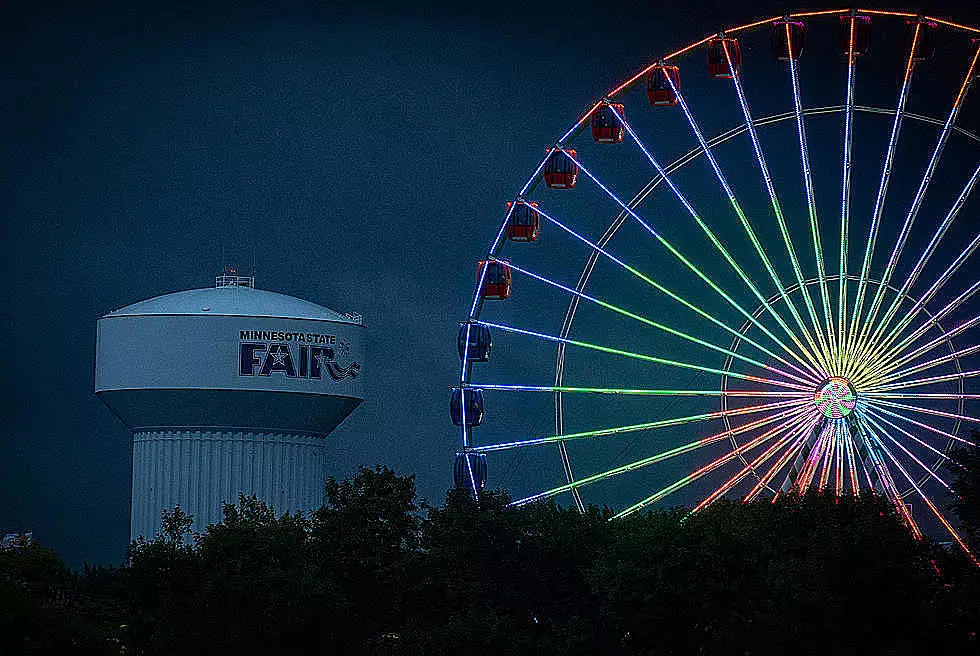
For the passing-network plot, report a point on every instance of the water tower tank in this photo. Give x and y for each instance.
(227, 390)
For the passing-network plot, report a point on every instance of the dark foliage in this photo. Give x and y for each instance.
(372, 572)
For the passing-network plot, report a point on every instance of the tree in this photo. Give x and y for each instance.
(965, 467)
(41, 611)
(366, 539)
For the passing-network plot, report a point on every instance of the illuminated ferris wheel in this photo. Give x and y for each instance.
(772, 302)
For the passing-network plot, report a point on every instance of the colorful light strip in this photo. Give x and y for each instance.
(634, 428)
(667, 292)
(901, 446)
(845, 200)
(886, 477)
(922, 382)
(638, 392)
(810, 199)
(640, 356)
(962, 353)
(887, 367)
(655, 324)
(677, 254)
(872, 416)
(932, 291)
(926, 255)
(933, 508)
(876, 405)
(886, 170)
(892, 351)
(711, 466)
(919, 198)
(927, 411)
(770, 188)
(660, 457)
(792, 433)
(746, 225)
(781, 462)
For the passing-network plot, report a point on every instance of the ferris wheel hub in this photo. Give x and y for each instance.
(835, 398)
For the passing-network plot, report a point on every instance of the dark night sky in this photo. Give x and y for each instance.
(363, 151)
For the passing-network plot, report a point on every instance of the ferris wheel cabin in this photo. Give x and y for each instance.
(473, 399)
(663, 83)
(787, 39)
(925, 43)
(718, 58)
(524, 223)
(470, 464)
(862, 35)
(561, 170)
(606, 126)
(496, 282)
(474, 342)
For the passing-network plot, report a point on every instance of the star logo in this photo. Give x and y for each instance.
(278, 356)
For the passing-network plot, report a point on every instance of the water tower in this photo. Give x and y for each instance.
(227, 389)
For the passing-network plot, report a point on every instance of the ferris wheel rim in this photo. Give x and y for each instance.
(622, 217)
(748, 125)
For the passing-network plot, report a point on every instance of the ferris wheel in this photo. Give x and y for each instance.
(705, 298)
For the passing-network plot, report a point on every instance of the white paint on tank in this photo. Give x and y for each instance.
(200, 470)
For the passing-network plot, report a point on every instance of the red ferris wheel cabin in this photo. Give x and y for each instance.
(606, 127)
(925, 43)
(524, 223)
(787, 39)
(496, 282)
(561, 170)
(718, 57)
(659, 89)
(862, 35)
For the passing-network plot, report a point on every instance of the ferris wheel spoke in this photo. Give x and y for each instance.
(706, 469)
(737, 207)
(880, 409)
(634, 428)
(660, 457)
(805, 479)
(899, 395)
(923, 382)
(908, 453)
(700, 274)
(845, 194)
(878, 449)
(851, 462)
(641, 392)
(813, 374)
(872, 416)
(922, 495)
(639, 356)
(770, 188)
(890, 365)
(935, 362)
(655, 324)
(926, 411)
(886, 171)
(828, 459)
(789, 454)
(927, 253)
(919, 197)
(932, 321)
(919, 306)
(810, 196)
(784, 443)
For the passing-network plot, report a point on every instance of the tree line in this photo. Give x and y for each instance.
(375, 571)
